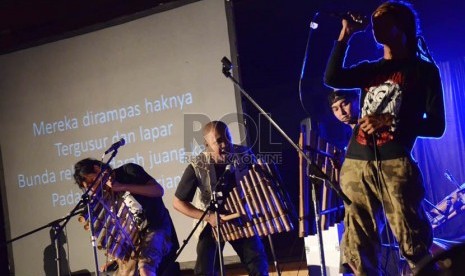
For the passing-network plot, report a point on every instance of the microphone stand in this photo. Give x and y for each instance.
(186, 241)
(85, 200)
(314, 171)
(54, 225)
(214, 206)
(216, 209)
(58, 228)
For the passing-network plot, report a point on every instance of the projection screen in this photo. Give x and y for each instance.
(151, 81)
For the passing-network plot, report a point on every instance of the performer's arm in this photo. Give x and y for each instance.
(351, 27)
(150, 189)
(184, 195)
(190, 210)
(433, 123)
(336, 74)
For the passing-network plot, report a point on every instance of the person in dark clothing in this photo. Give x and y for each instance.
(158, 237)
(194, 194)
(401, 100)
(345, 106)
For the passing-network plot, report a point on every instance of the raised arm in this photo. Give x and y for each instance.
(336, 74)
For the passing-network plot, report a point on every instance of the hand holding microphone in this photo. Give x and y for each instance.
(351, 23)
(352, 17)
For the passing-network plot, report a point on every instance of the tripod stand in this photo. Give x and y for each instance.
(56, 232)
(217, 200)
(314, 171)
(245, 217)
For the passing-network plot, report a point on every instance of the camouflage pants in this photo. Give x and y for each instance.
(401, 191)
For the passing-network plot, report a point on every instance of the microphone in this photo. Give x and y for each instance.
(222, 179)
(227, 66)
(449, 176)
(349, 16)
(452, 179)
(315, 172)
(228, 171)
(116, 146)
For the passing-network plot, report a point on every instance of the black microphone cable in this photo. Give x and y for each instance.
(313, 26)
(379, 186)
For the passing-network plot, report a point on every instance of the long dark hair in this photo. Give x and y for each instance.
(83, 168)
(407, 20)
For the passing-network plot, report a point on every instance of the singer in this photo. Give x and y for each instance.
(197, 184)
(401, 99)
(159, 237)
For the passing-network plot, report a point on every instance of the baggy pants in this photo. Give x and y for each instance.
(400, 189)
